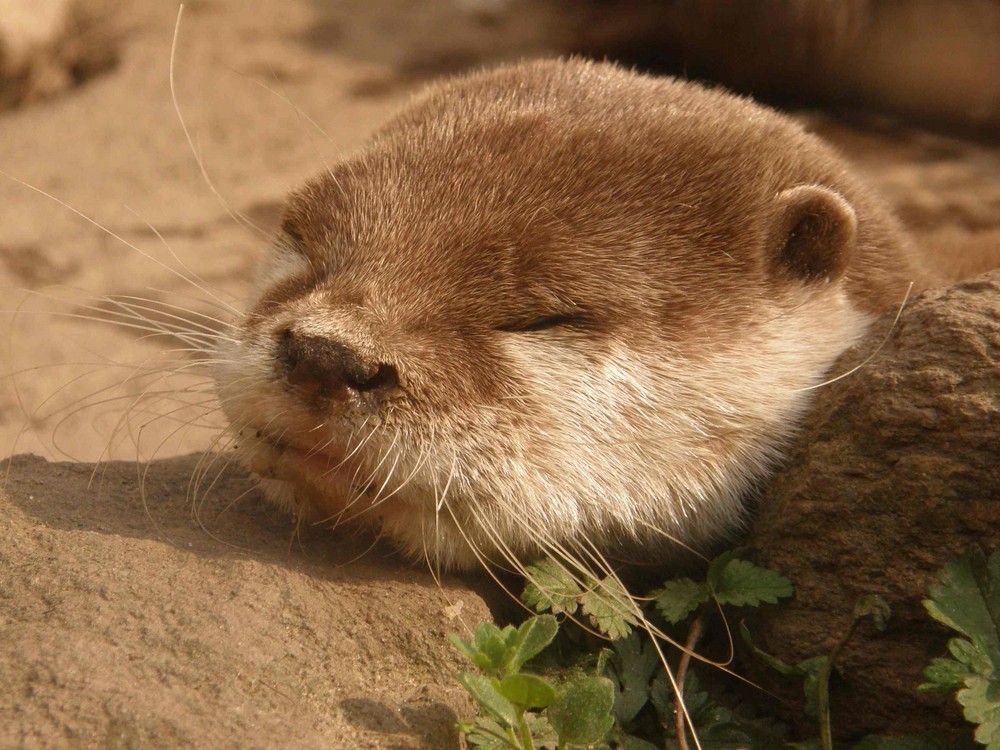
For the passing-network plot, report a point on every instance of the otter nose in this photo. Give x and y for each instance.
(325, 368)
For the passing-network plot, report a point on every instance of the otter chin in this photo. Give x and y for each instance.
(555, 308)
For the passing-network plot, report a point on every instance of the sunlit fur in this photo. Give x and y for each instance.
(646, 212)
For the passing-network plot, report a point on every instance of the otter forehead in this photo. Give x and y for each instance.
(546, 136)
(534, 190)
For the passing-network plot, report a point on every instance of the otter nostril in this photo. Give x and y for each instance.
(325, 368)
(284, 353)
(385, 377)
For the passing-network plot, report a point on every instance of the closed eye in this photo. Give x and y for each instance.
(291, 230)
(576, 321)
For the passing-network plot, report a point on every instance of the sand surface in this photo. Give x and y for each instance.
(128, 621)
(132, 625)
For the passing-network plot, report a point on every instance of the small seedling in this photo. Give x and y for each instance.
(816, 671)
(525, 711)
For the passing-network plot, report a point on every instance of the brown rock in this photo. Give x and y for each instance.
(125, 622)
(896, 472)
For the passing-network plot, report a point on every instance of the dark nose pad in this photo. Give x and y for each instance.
(325, 368)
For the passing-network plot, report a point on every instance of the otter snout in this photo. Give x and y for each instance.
(321, 368)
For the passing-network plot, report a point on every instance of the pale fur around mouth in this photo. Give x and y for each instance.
(321, 480)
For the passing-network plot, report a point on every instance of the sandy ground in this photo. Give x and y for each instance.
(124, 623)
(131, 616)
(269, 92)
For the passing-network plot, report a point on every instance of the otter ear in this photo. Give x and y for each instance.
(813, 236)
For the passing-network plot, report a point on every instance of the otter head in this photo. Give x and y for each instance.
(553, 308)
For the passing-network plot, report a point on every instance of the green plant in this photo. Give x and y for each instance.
(642, 686)
(552, 587)
(816, 671)
(522, 710)
(730, 581)
(634, 685)
(967, 599)
(622, 695)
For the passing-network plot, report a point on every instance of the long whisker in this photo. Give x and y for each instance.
(187, 269)
(239, 218)
(131, 305)
(227, 309)
(418, 465)
(119, 238)
(126, 312)
(302, 116)
(119, 314)
(870, 357)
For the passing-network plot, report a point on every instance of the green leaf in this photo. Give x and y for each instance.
(967, 599)
(719, 726)
(529, 640)
(490, 701)
(661, 695)
(742, 584)
(633, 666)
(474, 655)
(581, 714)
(508, 634)
(550, 587)
(744, 734)
(462, 645)
(981, 701)
(945, 675)
(719, 564)
(679, 598)
(812, 668)
(490, 644)
(970, 656)
(486, 734)
(628, 742)
(495, 655)
(772, 661)
(527, 690)
(541, 730)
(485, 632)
(705, 713)
(610, 608)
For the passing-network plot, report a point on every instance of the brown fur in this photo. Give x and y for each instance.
(554, 213)
(590, 142)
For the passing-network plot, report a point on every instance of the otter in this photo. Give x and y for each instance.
(557, 307)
